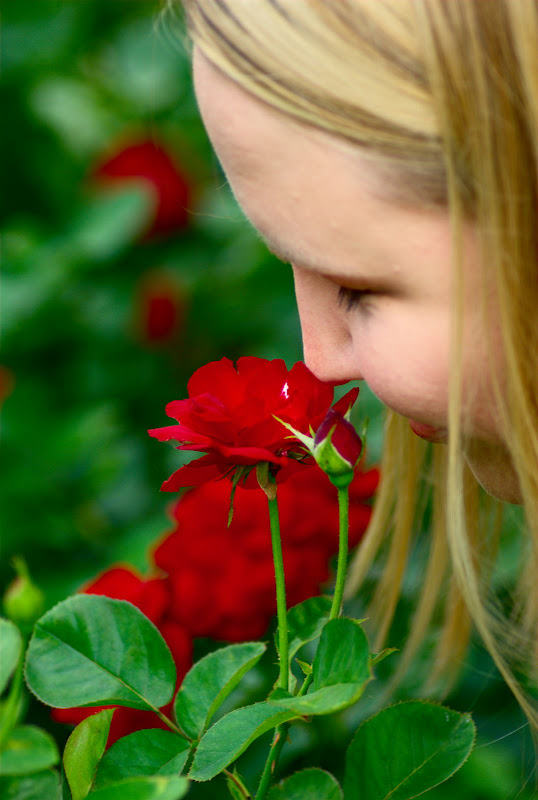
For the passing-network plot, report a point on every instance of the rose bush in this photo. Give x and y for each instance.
(211, 580)
(230, 415)
(151, 596)
(221, 579)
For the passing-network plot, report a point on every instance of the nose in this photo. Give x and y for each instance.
(327, 341)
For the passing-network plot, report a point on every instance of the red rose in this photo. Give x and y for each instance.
(221, 579)
(230, 415)
(160, 308)
(148, 161)
(151, 596)
(7, 383)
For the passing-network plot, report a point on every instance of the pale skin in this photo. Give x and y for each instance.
(322, 206)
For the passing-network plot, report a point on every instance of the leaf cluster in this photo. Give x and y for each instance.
(91, 650)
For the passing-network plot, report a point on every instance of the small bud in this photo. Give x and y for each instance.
(24, 602)
(337, 448)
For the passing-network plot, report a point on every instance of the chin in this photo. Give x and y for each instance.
(493, 469)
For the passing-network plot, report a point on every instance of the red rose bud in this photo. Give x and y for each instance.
(148, 161)
(337, 448)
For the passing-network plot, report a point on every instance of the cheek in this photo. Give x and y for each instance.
(404, 358)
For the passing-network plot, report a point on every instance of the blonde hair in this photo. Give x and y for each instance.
(443, 95)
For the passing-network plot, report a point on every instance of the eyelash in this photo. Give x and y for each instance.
(351, 297)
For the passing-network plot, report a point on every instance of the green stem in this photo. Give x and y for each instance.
(281, 608)
(167, 721)
(343, 510)
(279, 740)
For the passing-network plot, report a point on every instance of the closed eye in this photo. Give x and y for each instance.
(351, 297)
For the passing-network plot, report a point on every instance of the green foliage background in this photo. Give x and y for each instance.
(80, 476)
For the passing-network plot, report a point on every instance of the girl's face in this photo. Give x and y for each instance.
(373, 279)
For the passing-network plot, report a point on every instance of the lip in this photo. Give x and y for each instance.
(430, 433)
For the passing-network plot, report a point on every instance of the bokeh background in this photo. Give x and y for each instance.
(127, 265)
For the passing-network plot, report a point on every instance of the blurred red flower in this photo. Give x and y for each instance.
(230, 415)
(147, 160)
(151, 596)
(159, 308)
(221, 579)
(7, 383)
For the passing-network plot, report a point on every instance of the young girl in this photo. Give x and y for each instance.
(389, 151)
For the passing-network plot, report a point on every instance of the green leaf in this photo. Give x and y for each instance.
(40, 786)
(162, 788)
(343, 655)
(91, 650)
(83, 751)
(143, 753)
(231, 735)
(306, 620)
(11, 642)
(405, 750)
(28, 749)
(341, 669)
(110, 221)
(210, 681)
(314, 784)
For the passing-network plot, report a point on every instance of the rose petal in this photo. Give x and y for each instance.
(194, 473)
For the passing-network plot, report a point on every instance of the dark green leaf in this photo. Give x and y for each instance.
(210, 681)
(28, 749)
(405, 750)
(341, 669)
(231, 735)
(162, 788)
(306, 620)
(40, 786)
(11, 642)
(143, 753)
(309, 784)
(91, 650)
(84, 750)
